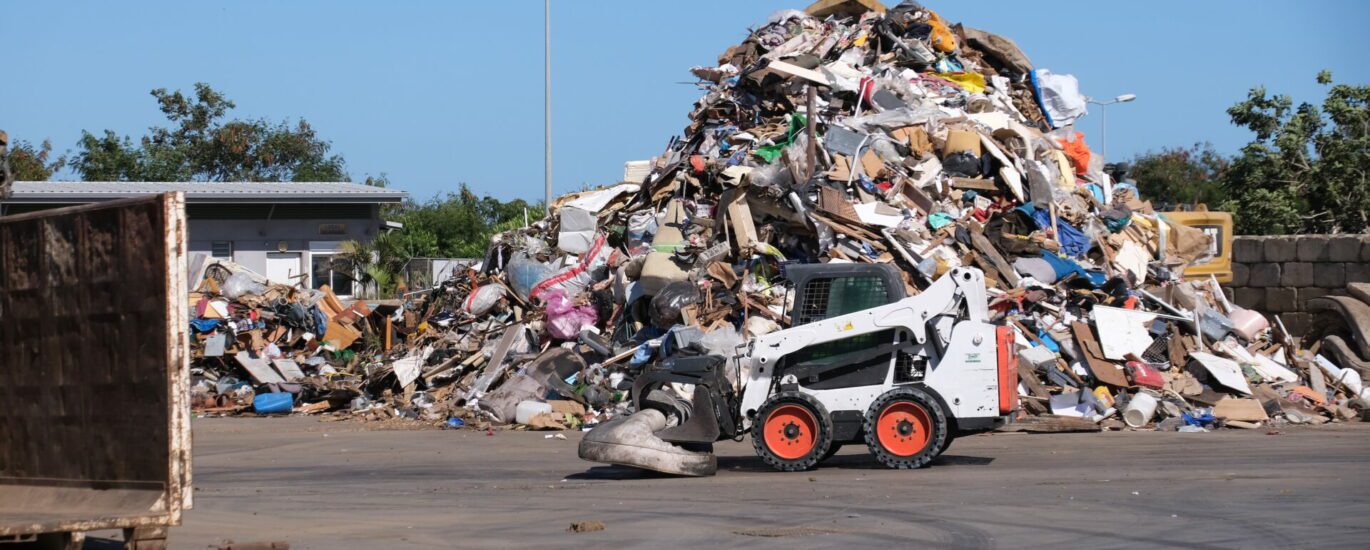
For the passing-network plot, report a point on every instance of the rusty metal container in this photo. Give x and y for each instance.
(94, 369)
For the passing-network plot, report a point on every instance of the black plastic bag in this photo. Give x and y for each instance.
(666, 305)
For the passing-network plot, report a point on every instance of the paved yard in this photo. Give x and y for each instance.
(341, 485)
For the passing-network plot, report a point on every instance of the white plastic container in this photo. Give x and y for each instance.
(528, 409)
(1139, 410)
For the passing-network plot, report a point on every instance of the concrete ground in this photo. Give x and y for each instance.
(322, 484)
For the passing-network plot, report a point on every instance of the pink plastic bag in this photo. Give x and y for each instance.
(564, 319)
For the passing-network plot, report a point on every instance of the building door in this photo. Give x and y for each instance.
(282, 266)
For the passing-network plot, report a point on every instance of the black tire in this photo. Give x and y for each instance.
(1325, 324)
(819, 423)
(832, 451)
(945, 445)
(929, 426)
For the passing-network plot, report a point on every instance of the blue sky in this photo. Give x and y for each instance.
(439, 93)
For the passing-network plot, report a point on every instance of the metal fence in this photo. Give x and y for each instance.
(424, 273)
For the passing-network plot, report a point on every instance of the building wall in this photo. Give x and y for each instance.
(254, 239)
(1280, 274)
(258, 229)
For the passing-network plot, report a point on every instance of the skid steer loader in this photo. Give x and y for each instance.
(861, 363)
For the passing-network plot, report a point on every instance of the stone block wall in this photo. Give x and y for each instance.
(1278, 275)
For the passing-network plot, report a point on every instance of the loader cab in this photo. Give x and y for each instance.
(822, 291)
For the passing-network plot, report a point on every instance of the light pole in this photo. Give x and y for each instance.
(547, 91)
(1103, 115)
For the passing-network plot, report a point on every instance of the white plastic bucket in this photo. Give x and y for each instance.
(528, 409)
(1140, 410)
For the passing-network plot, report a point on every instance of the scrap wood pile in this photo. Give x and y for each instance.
(844, 133)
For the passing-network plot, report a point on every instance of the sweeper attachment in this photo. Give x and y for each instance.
(861, 363)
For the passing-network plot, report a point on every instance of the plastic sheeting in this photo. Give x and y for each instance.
(1073, 243)
(1060, 97)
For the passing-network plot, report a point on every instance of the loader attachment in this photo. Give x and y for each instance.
(631, 441)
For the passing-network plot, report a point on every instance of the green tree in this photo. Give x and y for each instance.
(30, 163)
(1306, 169)
(455, 225)
(201, 144)
(463, 222)
(1182, 176)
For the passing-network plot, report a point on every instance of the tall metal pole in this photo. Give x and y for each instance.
(547, 87)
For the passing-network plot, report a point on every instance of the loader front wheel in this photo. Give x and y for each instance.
(793, 432)
(906, 428)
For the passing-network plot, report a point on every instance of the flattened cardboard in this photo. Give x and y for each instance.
(1246, 410)
(1104, 371)
(962, 141)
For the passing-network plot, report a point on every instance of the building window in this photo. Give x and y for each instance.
(334, 273)
(222, 250)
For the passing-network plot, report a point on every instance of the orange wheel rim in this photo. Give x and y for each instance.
(791, 432)
(904, 428)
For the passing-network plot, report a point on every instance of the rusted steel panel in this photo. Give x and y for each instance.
(94, 370)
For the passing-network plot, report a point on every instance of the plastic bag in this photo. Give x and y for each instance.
(525, 273)
(593, 266)
(1078, 151)
(771, 175)
(724, 341)
(972, 82)
(666, 305)
(1059, 96)
(641, 227)
(483, 299)
(240, 284)
(964, 164)
(565, 320)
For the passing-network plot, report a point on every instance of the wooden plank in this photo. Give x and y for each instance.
(259, 368)
(289, 369)
(1050, 424)
(740, 218)
(330, 305)
(917, 196)
(1030, 381)
(341, 336)
(795, 71)
(1005, 269)
(835, 202)
(824, 8)
(977, 184)
(1103, 370)
(854, 232)
(495, 368)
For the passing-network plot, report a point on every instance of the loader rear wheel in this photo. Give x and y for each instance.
(793, 432)
(945, 445)
(906, 428)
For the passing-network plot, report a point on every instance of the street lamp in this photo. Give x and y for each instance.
(547, 96)
(1103, 115)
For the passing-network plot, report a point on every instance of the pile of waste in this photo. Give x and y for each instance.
(846, 133)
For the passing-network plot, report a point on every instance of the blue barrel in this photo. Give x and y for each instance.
(273, 403)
